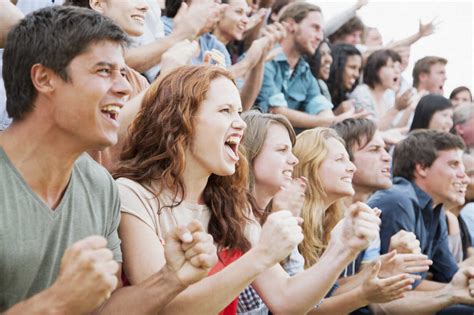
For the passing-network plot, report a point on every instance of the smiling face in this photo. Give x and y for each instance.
(129, 14)
(336, 172)
(218, 130)
(442, 120)
(373, 165)
(351, 71)
(468, 161)
(308, 33)
(445, 179)
(326, 61)
(234, 20)
(273, 166)
(88, 105)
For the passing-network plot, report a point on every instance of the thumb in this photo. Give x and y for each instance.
(389, 256)
(180, 234)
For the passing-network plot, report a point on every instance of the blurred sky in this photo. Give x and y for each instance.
(452, 40)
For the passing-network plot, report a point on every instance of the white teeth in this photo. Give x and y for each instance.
(347, 180)
(114, 110)
(138, 18)
(233, 140)
(288, 173)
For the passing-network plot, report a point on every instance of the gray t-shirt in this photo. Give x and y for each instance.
(33, 238)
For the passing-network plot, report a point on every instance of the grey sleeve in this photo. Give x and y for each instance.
(113, 240)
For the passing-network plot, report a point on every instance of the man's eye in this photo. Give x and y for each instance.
(104, 70)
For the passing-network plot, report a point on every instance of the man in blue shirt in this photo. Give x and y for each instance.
(288, 86)
(427, 170)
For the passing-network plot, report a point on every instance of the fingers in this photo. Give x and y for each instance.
(375, 269)
(397, 282)
(202, 243)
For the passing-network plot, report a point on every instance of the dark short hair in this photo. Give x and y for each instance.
(358, 131)
(423, 65)
(460, 89)
(53, 37)
(340, 53)
(172, 7)
(353, 25)
(78, 3)
(426, 108)
(297, 11)
(421, 148)
(375, 62)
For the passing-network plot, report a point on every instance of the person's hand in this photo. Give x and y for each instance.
(404, 100)
(193, 20)
(214, 57)
(280, 234)
(405, 243)
(395, 264)
(468, 262)
(461, 287)
(358, 228)
(87, 275)
(256, 18)
(394, 135)
(179, 54)
(361, 113)
(376, 290)
(346, 106)
(429, 28)
(190, 252)
(291, 197)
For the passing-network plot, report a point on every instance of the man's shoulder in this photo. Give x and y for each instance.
(400, 195)
(91, 173)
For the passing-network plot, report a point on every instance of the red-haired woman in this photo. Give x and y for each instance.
(182, 162)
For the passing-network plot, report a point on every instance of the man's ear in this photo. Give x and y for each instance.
(422, 77)
(290, 25)
(97, 5)
(43, 79)
(421, 171)
(459, 130)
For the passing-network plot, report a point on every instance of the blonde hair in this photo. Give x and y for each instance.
(311, 150)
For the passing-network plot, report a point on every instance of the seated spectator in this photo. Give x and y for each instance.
(179, 172)
(429, 74)
(323, 157)
(67, 83)
(320, 65)
(288, 87)
(344, 76)
(463, 120)
(231, 26)
(349, 33)
(381, 72)
(427, 170)
(433, 112)
(460, 95)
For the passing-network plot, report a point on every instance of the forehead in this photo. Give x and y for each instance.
(437, 66)
(313, 18)
(102, 51)
(377, 140)
(277, 134)
(222, 91)
(335, 147)
(353, 59)
(446, 156)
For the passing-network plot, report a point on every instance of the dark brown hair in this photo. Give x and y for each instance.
(355, 130)
(155, 151)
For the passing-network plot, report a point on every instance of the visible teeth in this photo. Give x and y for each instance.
(233, 140)
(288, 173)
(138, 18)
(113, 110)
(347, 180)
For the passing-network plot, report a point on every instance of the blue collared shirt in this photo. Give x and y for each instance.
(296, 90)
(405, 206)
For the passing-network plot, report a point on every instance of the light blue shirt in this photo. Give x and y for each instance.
(296, 90)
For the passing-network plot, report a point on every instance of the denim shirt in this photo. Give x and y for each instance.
(296, 90)
(405, 206)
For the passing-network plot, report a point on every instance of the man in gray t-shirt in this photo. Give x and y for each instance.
(65, 83)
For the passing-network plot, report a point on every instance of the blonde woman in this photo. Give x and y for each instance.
(324, 161)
